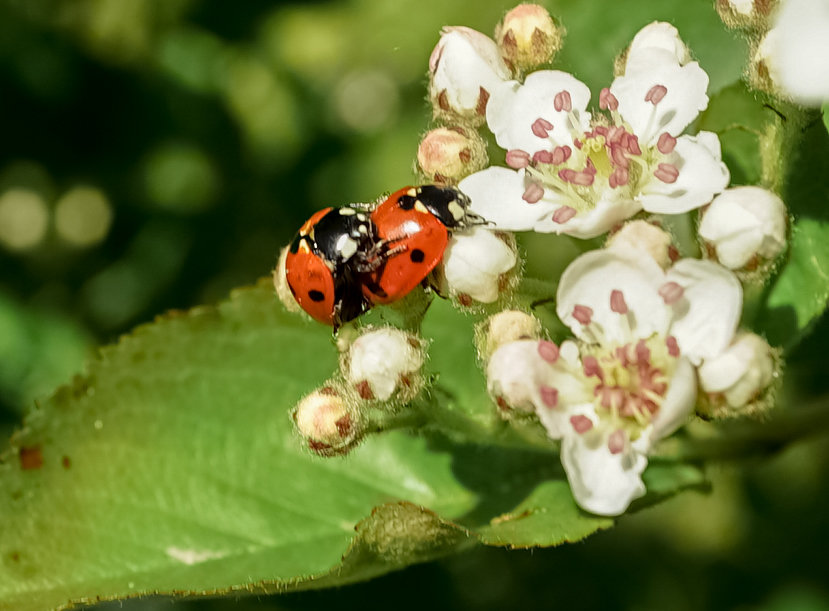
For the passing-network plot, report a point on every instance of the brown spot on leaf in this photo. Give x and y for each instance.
(31, 457)
(15, 556)
(66, 462)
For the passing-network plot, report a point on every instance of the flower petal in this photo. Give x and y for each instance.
(474, 261)
(496, 194)
(684, 96)
(513, 108)
(656, 35)
(589, 281)
(706, 316)
(602, 483)
(594, 222)
(702, 175)
(517, 373)
(678, 403)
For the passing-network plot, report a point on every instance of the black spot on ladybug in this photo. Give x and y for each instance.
(417, 256)
(316, 296)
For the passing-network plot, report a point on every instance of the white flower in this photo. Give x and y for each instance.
(741, 373)
(644, 236)
(580, 174)
(630, 380)
(796, 50)
(384, 362)
(743, 223)
(474, 263)
(650, 41)
(464, 68)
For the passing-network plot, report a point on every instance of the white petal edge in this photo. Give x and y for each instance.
(513, 108)
(702, 175)
(678, 402)
(589, 281)
(685, 97)
(598, 220)
(601, 482)
(706, 317)
(656, 35)
(496, 194)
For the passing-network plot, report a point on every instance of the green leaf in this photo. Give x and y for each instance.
(802, 290)
(738, 116)
(825, 112)
(598, 31)
(172, 467)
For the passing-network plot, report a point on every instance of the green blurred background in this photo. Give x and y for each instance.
(157, 153)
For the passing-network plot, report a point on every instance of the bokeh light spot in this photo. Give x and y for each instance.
(24, 219)
(83, 216)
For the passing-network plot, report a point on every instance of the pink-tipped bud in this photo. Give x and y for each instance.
(448, 154)
(528, 37)
(326, 423)
(502, 328)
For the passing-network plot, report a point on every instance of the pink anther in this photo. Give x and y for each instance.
(581, 424)
(583, 314)
(548, 351)
(671, 292)
(617, 302)
(656, 94)
(672, 345)
(616, 441)
(666, 143)
(543, 157)
(533, 193)
(607, 101)
(542, 127)
(517, 159)
(561, 154)
(563, 214)
(667, 173)
(549, 396)
(562, 101)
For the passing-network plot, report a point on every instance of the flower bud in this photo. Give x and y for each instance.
(745, 226)
(280, 283)
(384, 364)
(646, 237)
(326, 423)
(478, 265)
(655, 38)
(502, 328)
(518, 376)
(528, 37)
(464, 68)
(745, 13)
(448, 154)
(737, 377)
(792, 61)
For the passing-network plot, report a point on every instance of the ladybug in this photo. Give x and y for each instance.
(323, 262)
(414, 225)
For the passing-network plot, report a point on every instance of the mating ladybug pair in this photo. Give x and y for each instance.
(345, 260)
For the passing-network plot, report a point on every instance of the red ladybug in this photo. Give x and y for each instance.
(414, 226)
(324, 260)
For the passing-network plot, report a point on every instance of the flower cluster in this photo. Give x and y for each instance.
(654, 331)
(655, 336)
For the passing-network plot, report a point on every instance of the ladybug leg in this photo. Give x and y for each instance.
(377, 255)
